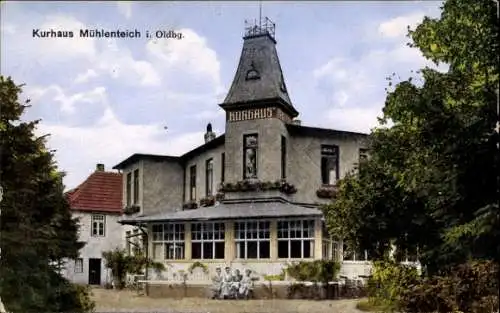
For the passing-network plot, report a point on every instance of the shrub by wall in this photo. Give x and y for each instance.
(388, 282)
(471, 287)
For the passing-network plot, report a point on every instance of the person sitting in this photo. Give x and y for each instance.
(217, 284)
(235, 286)
(227, 280)
(246, 285)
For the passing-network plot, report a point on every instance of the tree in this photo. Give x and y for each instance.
(122, 264)
(431, 181)
(37, 230)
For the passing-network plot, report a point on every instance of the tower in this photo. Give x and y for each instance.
(257, 108)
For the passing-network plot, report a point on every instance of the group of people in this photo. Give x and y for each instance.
(231, 286)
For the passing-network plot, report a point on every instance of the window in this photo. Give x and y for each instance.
(222, 167)
(327, 244)
(363, 155)
(329, 164)
(250, 147)
(129, 189)
(295, 239)
(283, 157)
(97, 228)
(79, 266)
(209, 177)
(168, 241)
(252, 73)
(192, 183)
(252, 240)
(136, 186)
(207, 240)
(351, 254)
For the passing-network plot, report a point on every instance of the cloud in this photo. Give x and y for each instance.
(125, 8)
(118, 63)
(355, 86)
(7, 28)
(207, 115)
(89, 57)
(85, 77)
(190, 55)
(53, 104)
(357, 119)
(109, 142)
(398, 27)
(63, 47)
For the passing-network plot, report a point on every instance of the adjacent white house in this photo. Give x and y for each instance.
(97, 202)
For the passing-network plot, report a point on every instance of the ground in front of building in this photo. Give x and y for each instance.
(128, 301)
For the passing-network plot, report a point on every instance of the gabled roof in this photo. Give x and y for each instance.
(139, 156)
(214, 143)
(299, 130)
(100, 192)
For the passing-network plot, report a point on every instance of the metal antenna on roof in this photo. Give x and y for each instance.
(260, 13)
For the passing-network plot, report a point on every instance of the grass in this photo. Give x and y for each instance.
(113, 300)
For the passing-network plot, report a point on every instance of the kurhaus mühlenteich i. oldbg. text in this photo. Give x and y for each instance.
(102, 33)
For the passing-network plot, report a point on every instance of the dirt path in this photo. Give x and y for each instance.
(127, 301)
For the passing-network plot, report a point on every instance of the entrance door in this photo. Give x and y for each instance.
(94, 271)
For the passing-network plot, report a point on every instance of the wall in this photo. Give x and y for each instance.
(94, 246)
(304, 162)
(269, 148)
(162, 186)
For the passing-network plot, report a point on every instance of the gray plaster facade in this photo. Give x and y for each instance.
(165, 181)
(257, 104)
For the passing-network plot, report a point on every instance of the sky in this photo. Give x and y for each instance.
(102, 100)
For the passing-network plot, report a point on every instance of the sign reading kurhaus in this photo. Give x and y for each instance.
(254, 114)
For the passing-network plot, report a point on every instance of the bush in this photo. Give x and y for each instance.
(322, 271)
(120, 264)
(388, 282)
(471, 287)
(83, 293)
(319, 271)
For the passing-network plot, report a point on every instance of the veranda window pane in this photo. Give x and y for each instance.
(264, 250)
(283, 249)
(296, 249)
(196, 250)
(251, 250)
(219, 250)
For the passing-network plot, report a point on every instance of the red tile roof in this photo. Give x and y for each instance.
(100, 192)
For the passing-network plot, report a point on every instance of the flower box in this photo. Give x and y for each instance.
(207, 201)
(327, 192)
(131, 209)
(190, 205)
(252, 185)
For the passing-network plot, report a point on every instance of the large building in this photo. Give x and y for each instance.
(248, 198)
(97, 203)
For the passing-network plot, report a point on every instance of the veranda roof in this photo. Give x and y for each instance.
(229, 211)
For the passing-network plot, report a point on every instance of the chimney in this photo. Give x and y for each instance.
(297, 122)
(209, 135)
(99, 167)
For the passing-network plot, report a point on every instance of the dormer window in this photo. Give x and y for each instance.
(252, 73)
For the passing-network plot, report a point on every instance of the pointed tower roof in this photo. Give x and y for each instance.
(259, 77)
